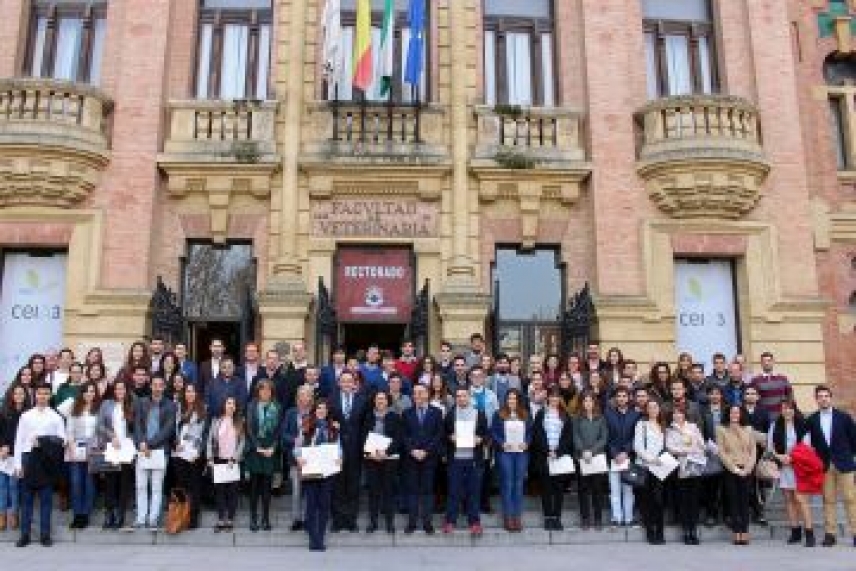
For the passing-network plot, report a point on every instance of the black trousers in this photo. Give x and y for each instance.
(261, 486)
(227, 500)
(119, 489)
(738, 499)
(419, 483)
(592, 492)
(381, 479)
(318, 497)
(687, 497)
(346, 492)
(188, 475)
(552, 494)
(652, 500)
(712, 496)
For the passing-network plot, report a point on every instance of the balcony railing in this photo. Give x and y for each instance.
(53, 113)
(221, 131)
(711, 125)
(529, 137)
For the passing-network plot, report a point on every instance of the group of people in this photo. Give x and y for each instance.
(420, 434)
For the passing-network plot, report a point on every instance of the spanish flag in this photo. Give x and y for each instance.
(363, 73)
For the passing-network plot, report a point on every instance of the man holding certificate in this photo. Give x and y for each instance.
(466, 430)
(154, 430)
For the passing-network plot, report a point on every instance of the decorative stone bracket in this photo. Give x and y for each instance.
(531, 190)
(328, 180)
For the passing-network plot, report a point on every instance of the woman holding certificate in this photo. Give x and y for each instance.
(225, 449)
(317, 431)
(590, 439)
(552, 442)
(737, 450)
(187, 455)
(382, 436)
(511, 431)
(80, 431)
(264, 416)
(684, 441)
(115, 429)
(649, 442)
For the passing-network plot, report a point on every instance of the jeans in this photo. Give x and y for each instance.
(9, 494)
(45, 507)
(512, 473)
(464, 487)
(620, 499)
(318, 496)
(82, 488)
(149, 503)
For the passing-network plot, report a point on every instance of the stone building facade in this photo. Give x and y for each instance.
(631, 142)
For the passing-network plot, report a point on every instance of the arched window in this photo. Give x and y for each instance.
(679, 47)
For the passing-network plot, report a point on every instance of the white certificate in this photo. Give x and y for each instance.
(226, 473)
(376, 442)
(156, 460)
(561, 465)
(597, 465)
(7, 466)
(620, 466)
(188, 453)
(123, 455)
(321, 461)
(465, 434)
(80, 451)
(515, 432)
(667, 465)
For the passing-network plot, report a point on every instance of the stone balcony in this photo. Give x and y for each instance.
(53, 141)
(222, 150)
(702, 156)
(529, 158)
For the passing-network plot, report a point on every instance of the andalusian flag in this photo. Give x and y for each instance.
(363, 73)
(386, 59)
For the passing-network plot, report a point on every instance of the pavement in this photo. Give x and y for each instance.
(712, 556)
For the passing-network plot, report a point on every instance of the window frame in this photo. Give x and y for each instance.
(87, 12)
(535, 28)
(218, 18)
(693, 31)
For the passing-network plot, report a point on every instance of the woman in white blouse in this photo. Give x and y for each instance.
(115, 425)
(649, 442)
(684, 441)
(81, 433)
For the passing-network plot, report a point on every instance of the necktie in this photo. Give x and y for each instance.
(347, 407)
(421, 415)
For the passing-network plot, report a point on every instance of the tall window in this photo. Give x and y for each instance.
(518, 52)
(840, 76)
(401, 91)
(233, 56)
(679, 47)
(66, 40)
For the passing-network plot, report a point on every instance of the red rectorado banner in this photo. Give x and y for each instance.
(374, 285)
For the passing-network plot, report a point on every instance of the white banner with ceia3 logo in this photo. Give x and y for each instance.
(32, 300)
(705, 315)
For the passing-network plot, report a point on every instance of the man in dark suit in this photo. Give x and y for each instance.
(759, 420)
(210, 369)
(347, 408)
(294, 374)
(250, 366)
(833, 436)
(330, 373)
(271, 370)
(423, 446)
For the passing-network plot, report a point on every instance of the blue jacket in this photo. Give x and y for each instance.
(733, 395)
(328, 380)
(219, 390)
(497, 431)
(373, 377)
(622, 429)
(841, 450)
(427, 436)
(190, 371)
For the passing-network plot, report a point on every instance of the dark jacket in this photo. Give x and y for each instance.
(278, 380)
(759, 419)
(590, 434)
(44, 464)
(9, 428)
(166, 423)
(292, 427)
(105, 431)
(481, 432)
(427, 436)
(392, 428)
(841, 450)
(254, 462)
(219, 390)
(350, 429)
(622, 429)
(540, 448)
(328, 380)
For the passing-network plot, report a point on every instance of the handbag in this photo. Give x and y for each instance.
(98, 465)
(767, 469)
(635, 475)
(178, 512)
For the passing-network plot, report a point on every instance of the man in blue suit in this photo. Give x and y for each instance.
(330, 373)
(347, 408)
(423, 446)
(833, 436)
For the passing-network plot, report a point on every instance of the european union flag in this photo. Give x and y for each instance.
(416, 47)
